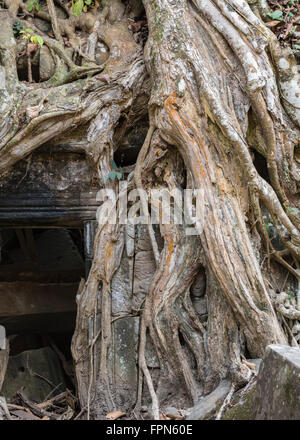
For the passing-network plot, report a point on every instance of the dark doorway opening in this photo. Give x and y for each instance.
(40, 272)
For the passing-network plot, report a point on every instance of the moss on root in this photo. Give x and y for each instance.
(244, 409)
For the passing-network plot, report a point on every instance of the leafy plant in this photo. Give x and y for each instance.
(276, 15)
(80, 5)
(17, 28)
(28, 35)
(33, 4)
(116, 172)
(37, 39)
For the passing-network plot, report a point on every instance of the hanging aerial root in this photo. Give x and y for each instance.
(54, 22)
(138, 181)
(143, 370)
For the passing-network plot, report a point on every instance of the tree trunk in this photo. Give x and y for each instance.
(216, 88)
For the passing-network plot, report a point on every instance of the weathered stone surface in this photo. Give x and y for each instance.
(2, 338)
(276, 395)
(4, 353)
(278, 384)
(209, 404)
(38, 371)
(3, 363)
(47, 66)
(28, 306)
(121, 287)
(123, 359)
(256, 362)
(200, 305)
(244, 409)
(152, 360)
(199, 285)
(48, 188)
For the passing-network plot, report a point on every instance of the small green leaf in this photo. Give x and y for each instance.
(276, 15)
(88, 2)
(39, 40)
(37, 6)
(29, 31)
(119, 175)
(77, 7)
(297, 46)
(113, 164)
(112, 175)
(17, 28)
(30, 6)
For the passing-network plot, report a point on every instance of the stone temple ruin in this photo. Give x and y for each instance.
(48, 219)
(47, 213)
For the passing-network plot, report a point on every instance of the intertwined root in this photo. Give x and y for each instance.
(214, 98)
(202, 118)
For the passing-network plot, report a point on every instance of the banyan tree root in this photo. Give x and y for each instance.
(197, 111)
(214, 100)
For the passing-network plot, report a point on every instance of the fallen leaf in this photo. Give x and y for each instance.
(249, 364)
(272, 23)
(114, 415)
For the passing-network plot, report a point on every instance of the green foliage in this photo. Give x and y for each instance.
(80, 5)
(33, 5)
(26, 33)
(77, 7)
(36, 39)
(115, 173)
(276, 15)
(17, 28)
